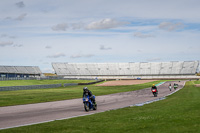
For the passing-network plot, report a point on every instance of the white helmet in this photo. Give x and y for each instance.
(85, 88)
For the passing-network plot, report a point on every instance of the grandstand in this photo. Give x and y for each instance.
(132, 70)
(19, 71)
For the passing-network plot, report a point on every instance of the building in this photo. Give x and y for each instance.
(19, 71)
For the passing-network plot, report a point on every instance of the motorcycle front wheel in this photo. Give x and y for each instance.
(86, 107)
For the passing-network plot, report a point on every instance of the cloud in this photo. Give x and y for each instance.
(60, 27)
(48, 47)
(102, 47)
(77, 26)
(105, 24)
(141, 35)
(46, 63)
(3, 44)
(102, 24)
(57, 55)
(17, 45)
(154, 59)
(8, 18)
(12, 37)
(82, 56)
(21, 17)
(168, 26)
(5, 35)
(20, 4)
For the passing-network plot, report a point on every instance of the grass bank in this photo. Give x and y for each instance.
(179, 113)
(8, 98)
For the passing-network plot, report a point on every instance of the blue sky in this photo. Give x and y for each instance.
(39, 32)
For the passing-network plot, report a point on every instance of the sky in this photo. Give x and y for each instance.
(39, 32)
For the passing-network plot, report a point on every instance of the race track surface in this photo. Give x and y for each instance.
(15, 116)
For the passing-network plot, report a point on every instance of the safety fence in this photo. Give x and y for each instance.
(18, 78)
(43, 78)
(34, 78)
(29, 87)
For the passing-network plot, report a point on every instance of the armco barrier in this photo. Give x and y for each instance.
(72, 84)
(29, 87)
(90, 82)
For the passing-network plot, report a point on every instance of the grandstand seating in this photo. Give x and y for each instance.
(3, 69)
(20, 69)
(126, 69)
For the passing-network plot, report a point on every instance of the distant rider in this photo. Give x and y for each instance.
(154, 87)
(87, 92)
(170, 87)
(175, 86)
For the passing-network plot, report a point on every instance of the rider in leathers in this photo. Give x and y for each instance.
(154, 87)
(88, 92)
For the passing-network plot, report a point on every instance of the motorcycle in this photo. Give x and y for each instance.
(170, 88)
(175, 86)
(155, 93)
(88, 104)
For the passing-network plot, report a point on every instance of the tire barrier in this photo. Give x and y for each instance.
(29, 87)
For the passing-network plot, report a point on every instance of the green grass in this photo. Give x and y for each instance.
(179, 113)
(8, 98)
(39, 82)
(197, 82)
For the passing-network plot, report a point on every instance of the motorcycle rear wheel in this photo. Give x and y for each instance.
(95, 107)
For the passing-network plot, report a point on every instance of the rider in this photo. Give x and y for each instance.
(87, 92)
(154, 87)
(175, 86)
(170, 87)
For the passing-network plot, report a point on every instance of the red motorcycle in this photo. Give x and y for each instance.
(155, 93)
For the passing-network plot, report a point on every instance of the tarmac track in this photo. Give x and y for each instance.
(21, 115)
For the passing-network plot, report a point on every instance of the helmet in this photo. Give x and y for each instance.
(85, 88)
(153, 84)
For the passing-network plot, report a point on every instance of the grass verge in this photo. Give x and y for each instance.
(8, 98)
(39, 82)
(196, 82)
(179, 113)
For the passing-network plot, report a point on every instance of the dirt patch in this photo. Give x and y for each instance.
(124, 82)
(197, 85)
